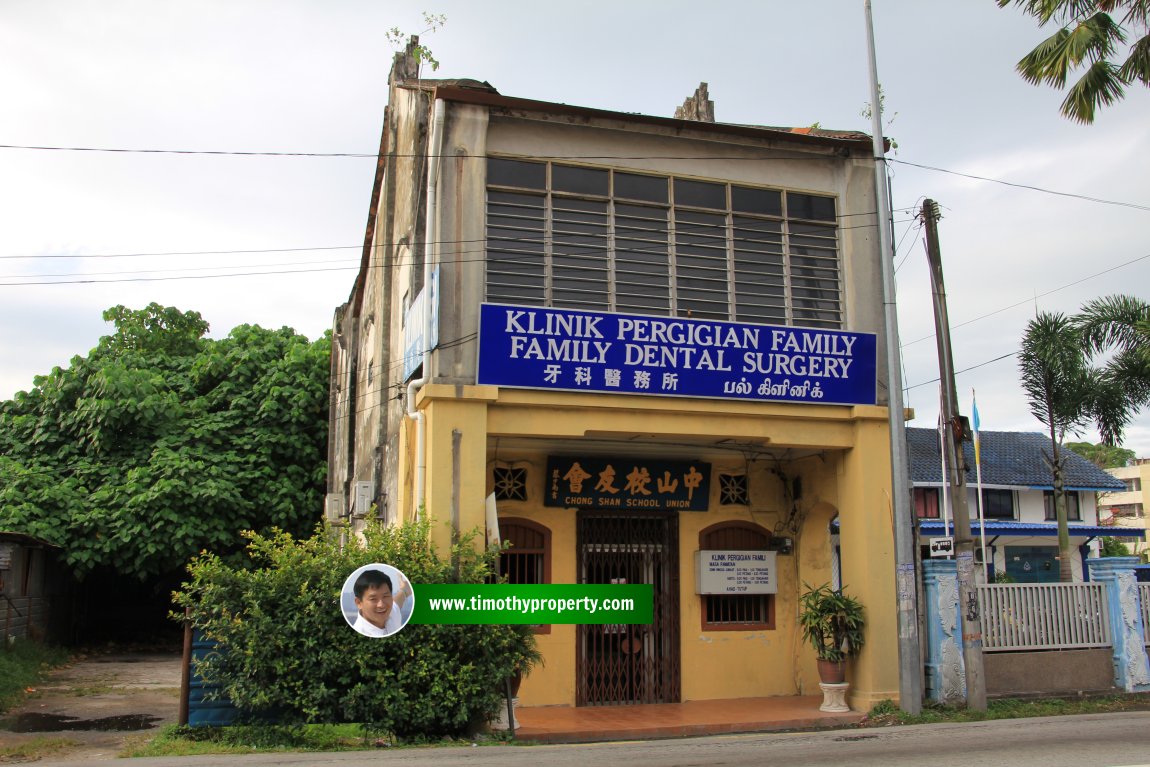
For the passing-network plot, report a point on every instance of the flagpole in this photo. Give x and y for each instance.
(944, 496)
(978, 487)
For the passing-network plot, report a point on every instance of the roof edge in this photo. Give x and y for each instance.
(490, 99)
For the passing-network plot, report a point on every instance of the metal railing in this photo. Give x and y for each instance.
(1044, 616)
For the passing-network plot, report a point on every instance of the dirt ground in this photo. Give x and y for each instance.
(97, 702)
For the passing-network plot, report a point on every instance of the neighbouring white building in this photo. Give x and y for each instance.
(1018, 520)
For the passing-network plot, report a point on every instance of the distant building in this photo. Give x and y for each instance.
(1127, 507)
(1021, 529)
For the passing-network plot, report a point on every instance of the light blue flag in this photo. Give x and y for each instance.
(974, 413)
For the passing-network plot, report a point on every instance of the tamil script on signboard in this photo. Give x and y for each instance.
(539, 348)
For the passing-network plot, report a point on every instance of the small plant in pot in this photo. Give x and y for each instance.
(833, 623)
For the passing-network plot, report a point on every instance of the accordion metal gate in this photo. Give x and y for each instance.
(630, 664)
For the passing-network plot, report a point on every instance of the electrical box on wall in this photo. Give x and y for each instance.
(783, 545)
(333, 510)
(363, 498)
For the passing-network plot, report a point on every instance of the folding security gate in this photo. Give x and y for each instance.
(628, 664)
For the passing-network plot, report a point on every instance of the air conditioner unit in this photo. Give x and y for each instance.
(364, 492)
(981, 555)
(334, 508)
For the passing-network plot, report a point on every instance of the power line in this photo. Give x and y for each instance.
(376, 156)
(1032, 188)
(1032, 298)
(184, 277)
(220, 152)
(187, 252)
(686, 228)
(964, 370)
(161, 271)
(409, 155)
(567, 251)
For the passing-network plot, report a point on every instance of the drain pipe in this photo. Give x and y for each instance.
(431, 245)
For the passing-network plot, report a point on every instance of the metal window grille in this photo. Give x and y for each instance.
(510, 483)
(733, 490)
(740, 611)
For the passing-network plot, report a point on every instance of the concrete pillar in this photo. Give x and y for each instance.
(945, 671)
(1131, 668)
(866, 540)
(456, 459)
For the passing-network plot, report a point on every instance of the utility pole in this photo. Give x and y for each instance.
(956, 468)
(910, 684)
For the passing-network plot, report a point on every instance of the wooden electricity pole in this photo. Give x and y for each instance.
(956, 468)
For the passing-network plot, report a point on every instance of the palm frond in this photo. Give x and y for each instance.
(1055, 373)
(1094, 38)
(1114, 321)
(1101, 85)
(1049, 62)
(1111, 409)
(1060, 11)
(1137, 65)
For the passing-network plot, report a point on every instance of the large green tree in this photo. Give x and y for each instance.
(1103, 456)
(162, 443)
(1093, 35)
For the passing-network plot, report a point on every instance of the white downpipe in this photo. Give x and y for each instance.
(431, 245)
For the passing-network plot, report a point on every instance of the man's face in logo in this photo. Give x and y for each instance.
(375, 604)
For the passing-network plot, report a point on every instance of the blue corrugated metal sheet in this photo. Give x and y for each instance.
(203, 712)
(1029, 529)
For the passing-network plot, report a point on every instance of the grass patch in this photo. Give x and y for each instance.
(886, 713)
(175, 740)
(36, 748)
(22, 665)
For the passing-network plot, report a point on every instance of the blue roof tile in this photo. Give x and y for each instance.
(1009, 458)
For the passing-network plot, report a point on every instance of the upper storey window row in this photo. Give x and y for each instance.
(601, 238)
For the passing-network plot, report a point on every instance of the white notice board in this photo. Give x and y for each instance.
(736, 572)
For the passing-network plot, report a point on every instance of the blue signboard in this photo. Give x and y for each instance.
(572, 350)
(414, 319)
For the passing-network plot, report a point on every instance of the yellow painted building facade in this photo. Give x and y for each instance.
(778, 472)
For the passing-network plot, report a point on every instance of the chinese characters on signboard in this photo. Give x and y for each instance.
(627, 484)
(735, 572)
(538, 348)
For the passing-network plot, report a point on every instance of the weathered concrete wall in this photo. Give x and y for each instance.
(1057, 672)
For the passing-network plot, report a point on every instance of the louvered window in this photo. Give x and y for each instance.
(597, 238)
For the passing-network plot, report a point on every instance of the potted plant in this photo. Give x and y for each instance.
(833, 623)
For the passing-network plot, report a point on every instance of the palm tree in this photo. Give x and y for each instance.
(1060, 386)
(1088, 36)
(1121, 325)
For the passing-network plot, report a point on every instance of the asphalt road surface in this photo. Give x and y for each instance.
(1097, 740)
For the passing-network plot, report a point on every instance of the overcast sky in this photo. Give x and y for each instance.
(305, 76)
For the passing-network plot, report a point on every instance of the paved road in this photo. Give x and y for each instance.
(1097, 740)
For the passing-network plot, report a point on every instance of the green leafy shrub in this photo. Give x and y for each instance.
(290, 654)
(1112, 547)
